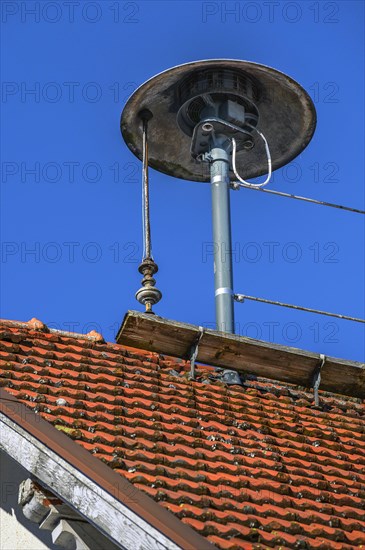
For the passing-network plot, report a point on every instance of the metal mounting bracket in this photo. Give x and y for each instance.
(193, 353)
(317, 378)
(205, 131)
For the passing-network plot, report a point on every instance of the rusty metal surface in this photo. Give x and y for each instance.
(112, 482)
(287, 118)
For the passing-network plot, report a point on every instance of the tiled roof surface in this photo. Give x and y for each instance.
(251, 466)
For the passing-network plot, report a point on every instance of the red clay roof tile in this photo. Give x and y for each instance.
(249, 467)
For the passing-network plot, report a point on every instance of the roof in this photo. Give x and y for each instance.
(256, 465)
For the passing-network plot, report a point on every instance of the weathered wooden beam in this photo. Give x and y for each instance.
(246, 355)
(70, 533)
(68, 528)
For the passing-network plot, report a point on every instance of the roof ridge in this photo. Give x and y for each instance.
(36, 324)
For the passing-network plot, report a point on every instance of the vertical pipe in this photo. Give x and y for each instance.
(223, 279)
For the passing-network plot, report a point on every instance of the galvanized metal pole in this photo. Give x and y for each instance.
(223, 278)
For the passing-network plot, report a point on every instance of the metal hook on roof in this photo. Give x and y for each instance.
(193, 353)
(317, 378)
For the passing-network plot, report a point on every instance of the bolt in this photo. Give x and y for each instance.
(207, 127)
(248, 144)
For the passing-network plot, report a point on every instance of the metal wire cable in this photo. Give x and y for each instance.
(237, 184)
(243, 182)
(242, 297)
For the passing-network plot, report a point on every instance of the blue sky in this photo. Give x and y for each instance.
(71, 210)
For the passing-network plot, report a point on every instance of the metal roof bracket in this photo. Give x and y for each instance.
(193, 353)
(317, 378)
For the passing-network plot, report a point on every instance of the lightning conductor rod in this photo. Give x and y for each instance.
(148, 294)
(145, 116)
(223, 280)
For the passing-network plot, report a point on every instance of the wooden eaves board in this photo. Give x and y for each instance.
(246, 355)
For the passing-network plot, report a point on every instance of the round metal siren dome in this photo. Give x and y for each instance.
(181, 97)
